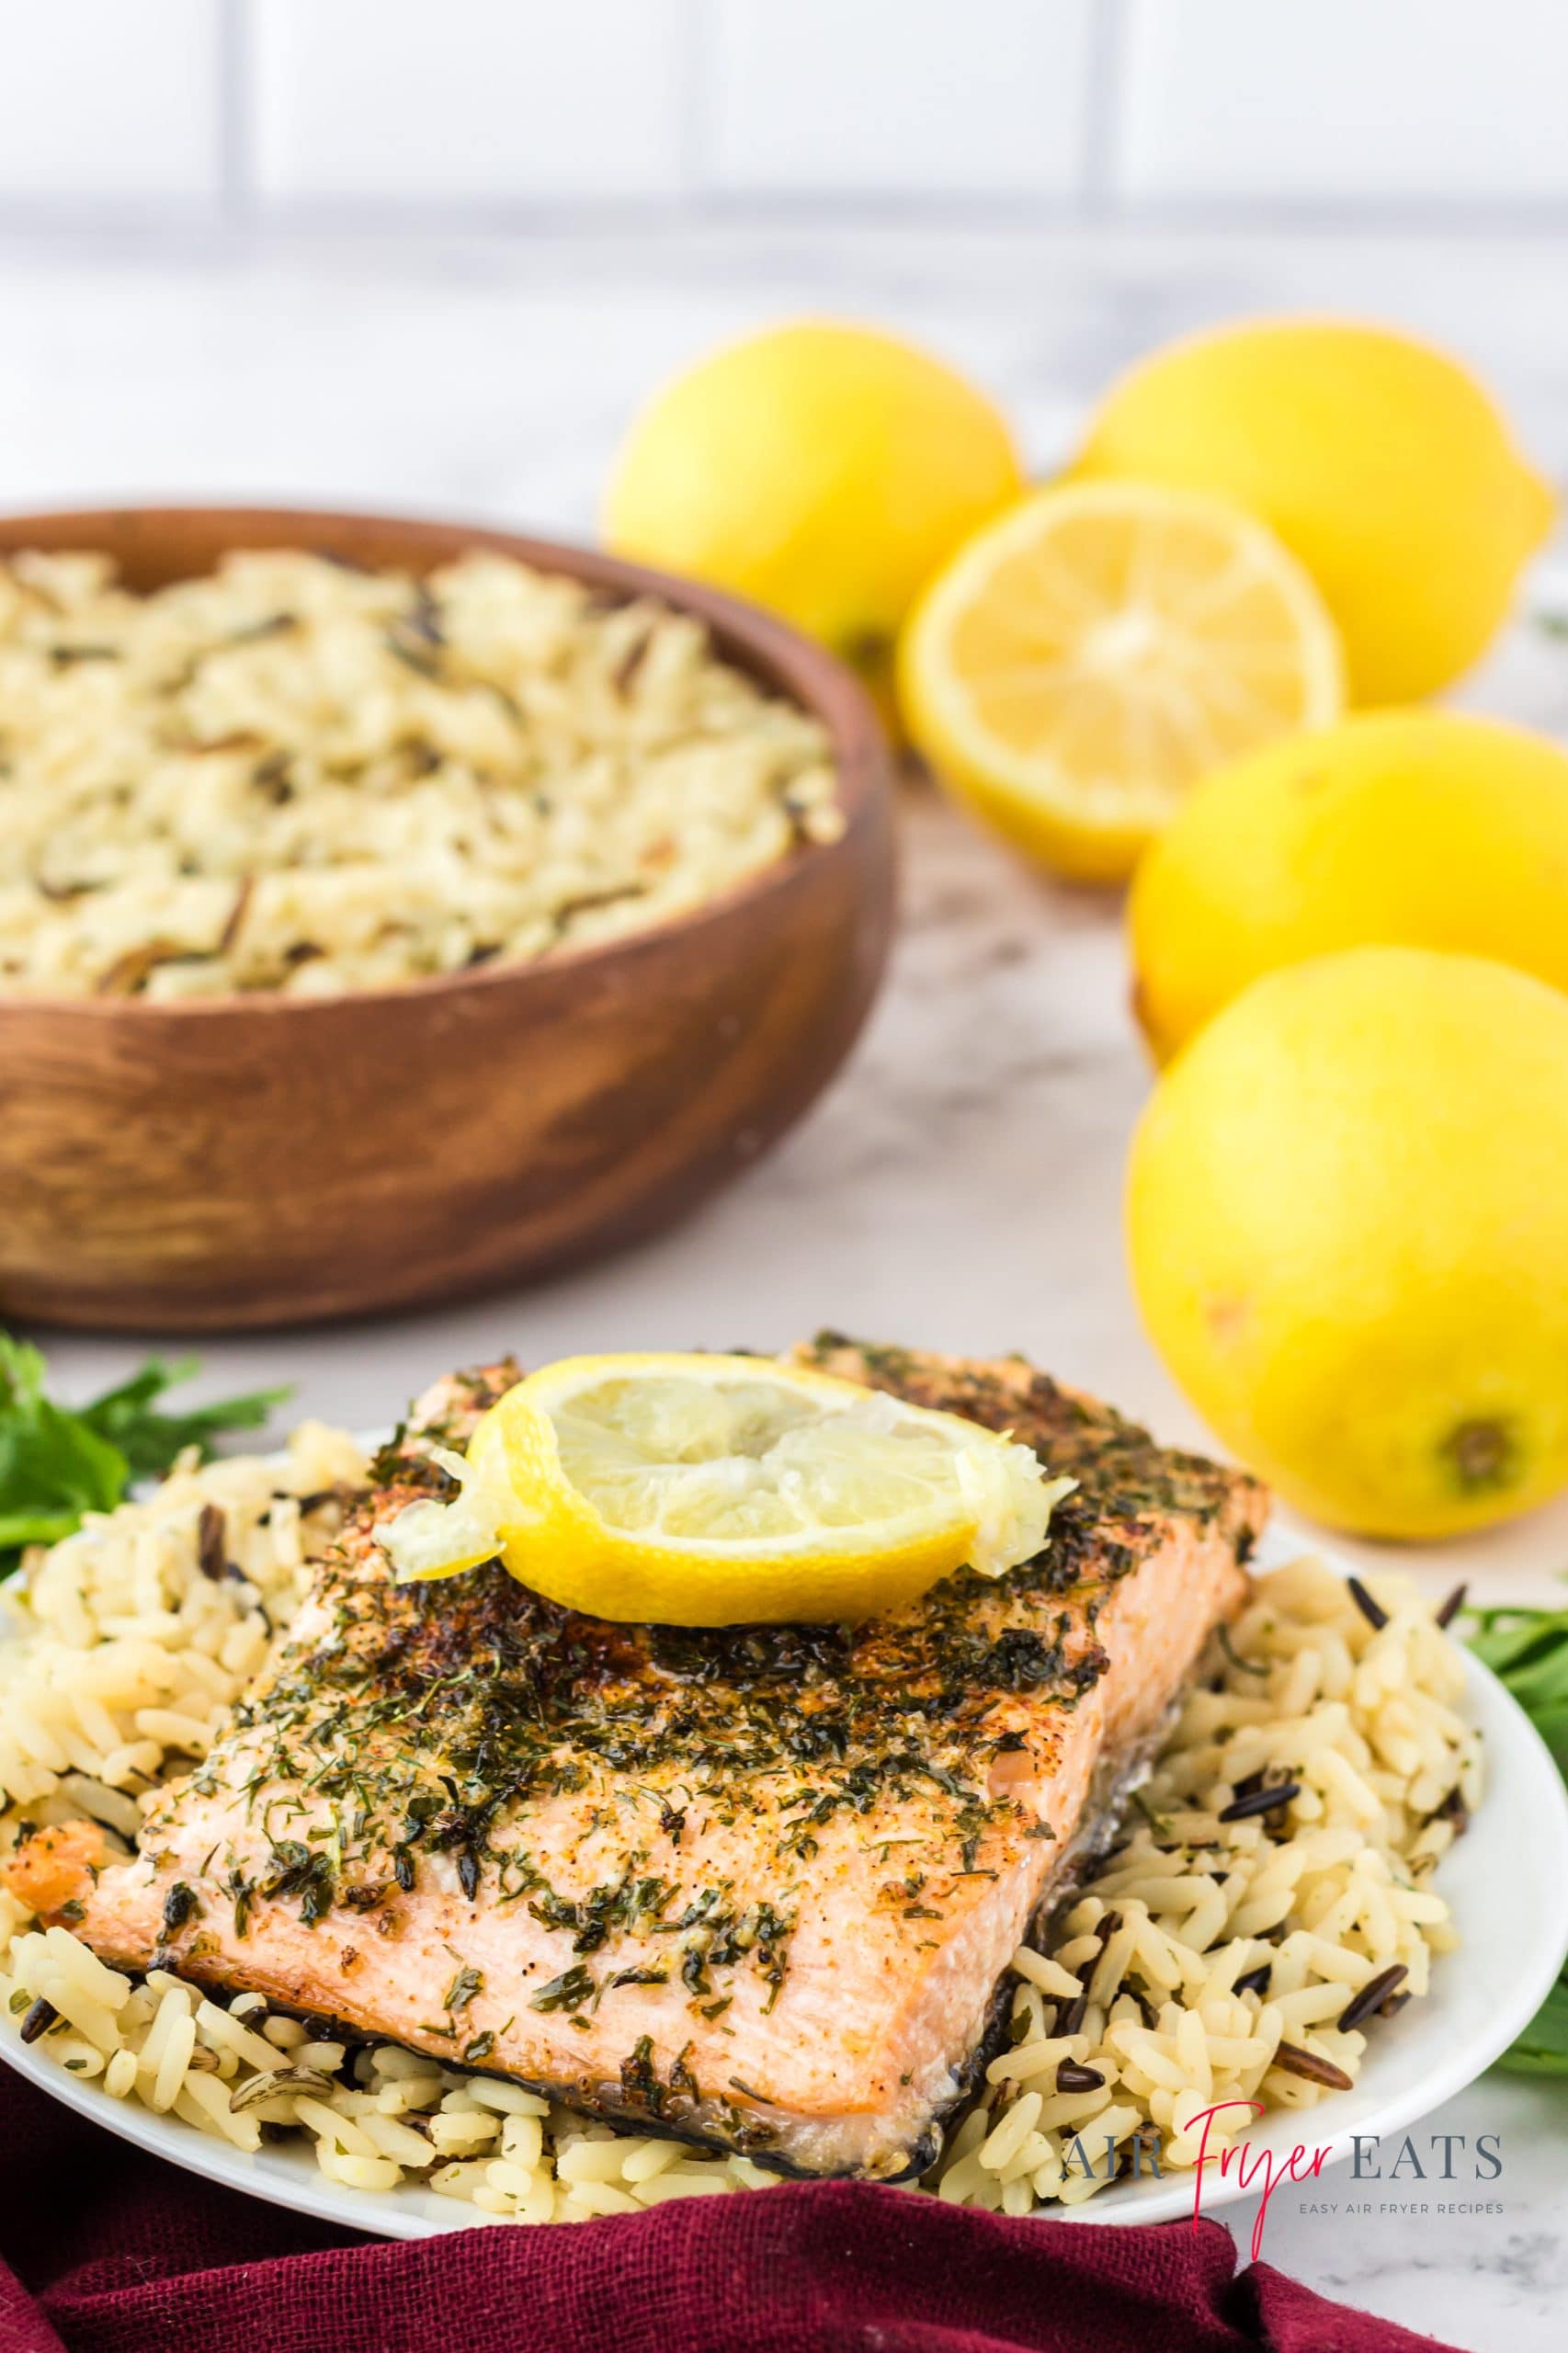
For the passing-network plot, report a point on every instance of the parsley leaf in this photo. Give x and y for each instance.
(130, 1417)
(1542, 2048)
(1528, 1650)
(56, 1464)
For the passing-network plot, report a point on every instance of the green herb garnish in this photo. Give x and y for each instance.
(462, 1989)
(1246, 1666)
(1542, 2048)
(1158, 1822)
(568, 1991)
(56, 1464)
(1528, 1651)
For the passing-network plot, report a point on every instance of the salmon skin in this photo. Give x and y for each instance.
(755, 1887)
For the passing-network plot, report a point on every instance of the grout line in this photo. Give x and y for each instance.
(234, 108)
(696, 98)
(651, 219)
(1103, 102)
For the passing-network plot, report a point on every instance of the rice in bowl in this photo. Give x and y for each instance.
(296, 776)
(1269, 1902)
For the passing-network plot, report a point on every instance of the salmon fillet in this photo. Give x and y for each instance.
(757, 1887)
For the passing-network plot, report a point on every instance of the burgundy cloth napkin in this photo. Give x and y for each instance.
(110, 2251)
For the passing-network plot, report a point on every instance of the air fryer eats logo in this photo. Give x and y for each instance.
(1449, 2157)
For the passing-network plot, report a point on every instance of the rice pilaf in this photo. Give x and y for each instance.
(296, 776)
(1241, 1942)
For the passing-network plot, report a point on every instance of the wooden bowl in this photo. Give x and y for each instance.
(258, 1160)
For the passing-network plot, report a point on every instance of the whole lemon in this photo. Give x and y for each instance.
(819, 468)
(1348, 1234)
(1380, 463)
(1420, 828)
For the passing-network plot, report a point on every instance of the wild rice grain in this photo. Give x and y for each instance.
(1372, 1611)
(211, 1535)
(1311, 2067)
(1260, 1800)
(1372, 1996)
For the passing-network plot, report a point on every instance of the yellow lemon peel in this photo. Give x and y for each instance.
(711, 1491)
(1083, 661)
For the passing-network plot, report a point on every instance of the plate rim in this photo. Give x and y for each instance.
(292, 2180)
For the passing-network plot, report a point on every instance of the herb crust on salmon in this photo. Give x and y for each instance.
(755, 1886)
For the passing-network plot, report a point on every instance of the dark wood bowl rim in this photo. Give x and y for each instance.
(769, 649)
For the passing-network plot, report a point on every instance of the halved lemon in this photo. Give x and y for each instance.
(716, 1491)
(1085, 658)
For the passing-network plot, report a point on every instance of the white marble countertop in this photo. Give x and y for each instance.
(958, 1186)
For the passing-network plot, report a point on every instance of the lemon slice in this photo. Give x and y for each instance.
(1085, 658)
(714, 1491)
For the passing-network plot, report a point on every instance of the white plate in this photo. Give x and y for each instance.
(1508, 1886)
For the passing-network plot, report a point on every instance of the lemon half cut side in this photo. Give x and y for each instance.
(1084, 659)
(716, 1491)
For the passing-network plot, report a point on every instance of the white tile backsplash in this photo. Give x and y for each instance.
(1043, 109)
(928, 98)
(418, 102)
(1345, 100)
(101, 99)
